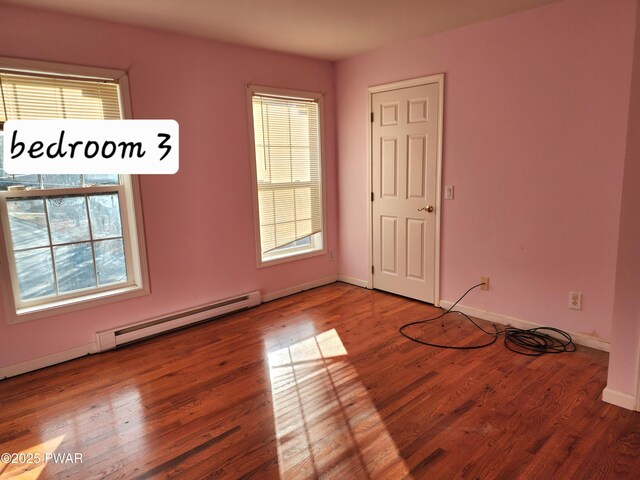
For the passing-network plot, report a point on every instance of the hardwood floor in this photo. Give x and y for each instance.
(320, 385)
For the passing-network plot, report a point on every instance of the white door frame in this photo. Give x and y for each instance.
(439, 79)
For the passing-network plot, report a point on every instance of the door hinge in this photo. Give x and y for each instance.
(372, 270)
(372, 196)
(371, 117)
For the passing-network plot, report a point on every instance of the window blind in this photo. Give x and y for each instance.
(287, 144)
(35, 97)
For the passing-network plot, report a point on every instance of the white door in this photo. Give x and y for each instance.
(405, 170)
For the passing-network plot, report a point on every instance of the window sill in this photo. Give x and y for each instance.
(59, 307)
(290, 257)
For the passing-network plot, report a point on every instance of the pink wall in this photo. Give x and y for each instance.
(199, 223)
(534, 142)
(625, 341)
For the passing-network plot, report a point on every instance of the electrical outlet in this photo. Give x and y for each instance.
(575, 300)
(485, 282)
(448, 192)
(331, 255)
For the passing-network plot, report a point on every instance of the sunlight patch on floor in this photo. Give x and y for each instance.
(326, 423)
(30, 461)
(121, 410)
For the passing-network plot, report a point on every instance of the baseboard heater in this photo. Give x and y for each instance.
(110, 339)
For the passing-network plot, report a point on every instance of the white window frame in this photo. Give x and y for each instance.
(318, 244)
(128, 191)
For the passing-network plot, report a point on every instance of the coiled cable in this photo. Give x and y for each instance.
(531, 342)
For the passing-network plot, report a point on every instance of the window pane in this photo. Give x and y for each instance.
(304, 203)
(285, 233)
(101, 180)
(40, 97)
(61, 181)
(267, 211)
(280, 164)
(29, 181)
(267, 237)
(35, 273)
(262, 165)
(105, 216)
(298, 243)
(110, 261)
(284, 205)
(302, 242)
(300, 127)
(27, 223)
(74, 267)
(8, 180)
(68, 219)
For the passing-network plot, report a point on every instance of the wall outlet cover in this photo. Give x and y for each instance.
(575, 300)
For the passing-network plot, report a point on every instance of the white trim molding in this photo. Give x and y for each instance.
(353, 281)
(47, 360)
(578, 338)
(21, 65)
(619, 399)
(267, 297)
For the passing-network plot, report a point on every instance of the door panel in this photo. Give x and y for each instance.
(404, 169)
(418, 108)
(389, 113)
(389, 167)
(417, 167)
(415, 248)
(389, 245)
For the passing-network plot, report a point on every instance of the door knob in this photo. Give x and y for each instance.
(428, 208)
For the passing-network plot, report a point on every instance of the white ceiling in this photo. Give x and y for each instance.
(327, 29)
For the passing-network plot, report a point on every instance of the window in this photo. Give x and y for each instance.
(69, 239)
(288, 192)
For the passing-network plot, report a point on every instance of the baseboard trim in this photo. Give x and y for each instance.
(619, 399)
(267, 297)
(353, 281)
(47, 361)
(579, 338)
(81, 351)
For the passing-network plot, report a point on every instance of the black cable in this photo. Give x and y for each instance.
(450, 310)
(532, 342)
